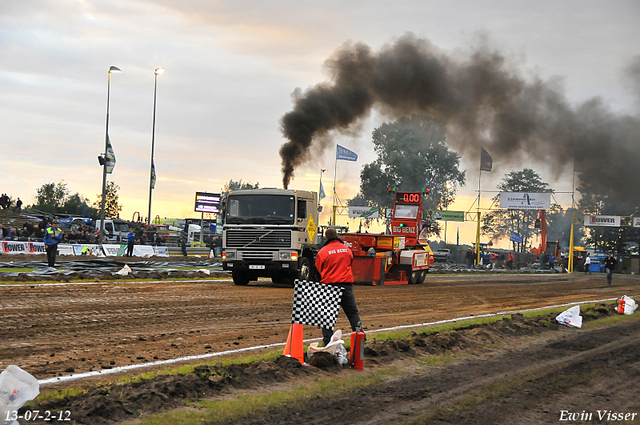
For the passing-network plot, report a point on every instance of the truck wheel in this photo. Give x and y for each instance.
(414, 276)
(422, 277)
(304, 271)
(240, 278)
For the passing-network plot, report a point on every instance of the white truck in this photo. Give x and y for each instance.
(270, 233)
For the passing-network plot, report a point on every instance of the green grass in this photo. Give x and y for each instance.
(18, 270)
(214, 412)
(445, 327)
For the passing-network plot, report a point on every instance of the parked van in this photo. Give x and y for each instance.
(112, 227)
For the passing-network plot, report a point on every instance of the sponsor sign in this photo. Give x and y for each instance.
(602, 220)
(14, 247)
(636, 221)
(113, 250)
(207, 202)
(403, 229)
(364, 212)
(35, 248)
(65, 249)
(525, 201)
(143, 251)
(91, 249)
(448, 215)
(160, 251)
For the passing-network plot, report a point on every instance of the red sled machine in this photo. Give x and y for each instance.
(400, 257)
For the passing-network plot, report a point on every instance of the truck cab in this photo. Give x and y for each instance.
(270, 233)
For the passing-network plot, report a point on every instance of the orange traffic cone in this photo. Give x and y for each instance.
(294, 346)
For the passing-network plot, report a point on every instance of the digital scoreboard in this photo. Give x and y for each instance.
(207, 202)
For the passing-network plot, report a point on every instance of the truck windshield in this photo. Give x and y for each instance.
(260, 209)
(406, 211)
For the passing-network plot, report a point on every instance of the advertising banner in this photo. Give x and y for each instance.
(65, 249)
(636, 221)
(14, 247)
(602, 220)
(114, 250)
(525, 201)
(364, 212)
(448, 215)
(160, 251)
(143, 251)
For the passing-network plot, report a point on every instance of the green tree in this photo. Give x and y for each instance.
(76, 204)
(239, 185)
(50, 197)
(412, 156)
(112, 207)
(500, 223)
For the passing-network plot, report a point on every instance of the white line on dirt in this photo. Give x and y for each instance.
(65, 378)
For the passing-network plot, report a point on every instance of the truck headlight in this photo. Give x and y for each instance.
(288, 256)
(231, 255)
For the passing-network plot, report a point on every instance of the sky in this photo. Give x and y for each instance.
(232, 69)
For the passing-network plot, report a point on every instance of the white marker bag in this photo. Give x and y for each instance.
(571, 317)
(16, 388)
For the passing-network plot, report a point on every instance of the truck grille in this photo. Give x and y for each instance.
(262, 238)
(256, 255)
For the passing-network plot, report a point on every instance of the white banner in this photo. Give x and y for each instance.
(363, 212)
(525, 201)
(602, 220)
(16, 247)
(112, 250)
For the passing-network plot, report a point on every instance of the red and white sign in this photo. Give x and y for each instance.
(602, 220)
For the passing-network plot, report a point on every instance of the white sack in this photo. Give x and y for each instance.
(571, 317)
(16, 388)
(124, 271)
(630, 305)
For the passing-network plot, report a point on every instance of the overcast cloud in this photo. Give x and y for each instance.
(231, 68)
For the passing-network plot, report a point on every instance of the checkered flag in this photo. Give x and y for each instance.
(315, 304)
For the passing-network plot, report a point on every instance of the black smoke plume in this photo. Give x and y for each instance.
(481, 101)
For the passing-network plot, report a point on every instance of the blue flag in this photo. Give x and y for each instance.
(346, 154)
(515, 238)
(321, 195)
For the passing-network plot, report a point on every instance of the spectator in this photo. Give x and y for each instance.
(609, 267)
(18, 207)
(183, 245)
(131, 241)
(587, 264)
(12, 234)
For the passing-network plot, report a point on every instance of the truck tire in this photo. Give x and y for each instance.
(422, 277)
(240, 278)
(304, 271)
(414, 276)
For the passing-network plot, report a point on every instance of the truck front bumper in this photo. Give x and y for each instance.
(258, 267)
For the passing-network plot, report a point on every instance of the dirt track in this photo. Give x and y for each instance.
(50, 330)
(54, 330)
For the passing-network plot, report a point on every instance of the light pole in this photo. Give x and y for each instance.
(113, 69)
(448, 187)
(152, 173)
